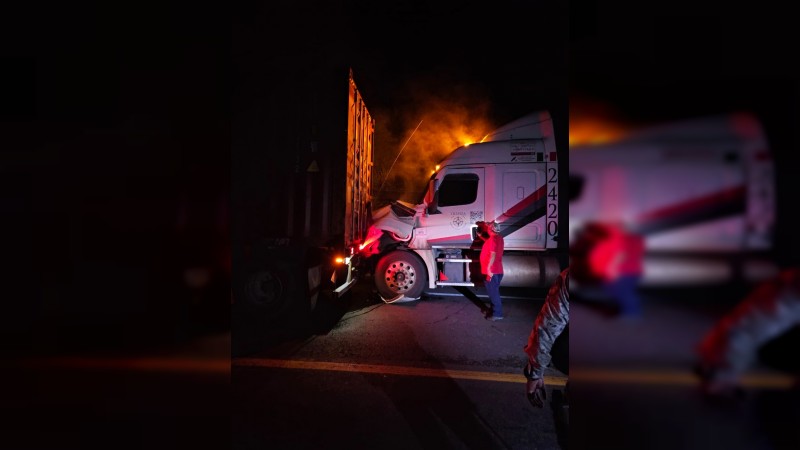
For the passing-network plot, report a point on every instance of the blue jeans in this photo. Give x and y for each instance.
(624, 290)
(493, 289)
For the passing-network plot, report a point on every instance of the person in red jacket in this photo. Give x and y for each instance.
(492, 268)
(610, 256)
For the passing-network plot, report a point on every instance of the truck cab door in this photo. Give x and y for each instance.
(458, 202)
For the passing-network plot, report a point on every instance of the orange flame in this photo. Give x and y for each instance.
(594, 122)
(594, 131)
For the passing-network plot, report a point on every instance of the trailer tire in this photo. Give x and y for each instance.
(400, 272)
(268, 290)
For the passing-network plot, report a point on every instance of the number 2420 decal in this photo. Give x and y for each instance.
(552, 208)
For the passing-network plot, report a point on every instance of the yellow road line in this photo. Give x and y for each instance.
(391, 370)
(624, 376)
(223, 366)
(679, 378)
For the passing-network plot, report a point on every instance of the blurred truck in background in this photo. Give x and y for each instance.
(701, 192)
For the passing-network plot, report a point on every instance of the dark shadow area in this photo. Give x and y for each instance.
(436, 407)
(559, 401)
(81, 408)
(560, 352)
(596, 300)
(560, 408)
(472, 297)
(115, 180)
(329, 312)
(778, 352)
(778, 414)
(255, 332)
(252, 333)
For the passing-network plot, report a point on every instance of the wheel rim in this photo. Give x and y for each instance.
(400, 276)
(265, 289)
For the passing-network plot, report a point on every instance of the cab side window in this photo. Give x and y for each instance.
(458, 189)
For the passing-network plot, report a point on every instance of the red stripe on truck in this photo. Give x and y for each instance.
(712, 206)
(527, 202)
(459, 238)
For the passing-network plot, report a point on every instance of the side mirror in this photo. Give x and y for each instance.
(473, 232)
(432, 206)
(429, 193)
(432, 197)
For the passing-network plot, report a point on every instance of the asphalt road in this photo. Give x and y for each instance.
(432, 373)
(425, 374)
(632, 385)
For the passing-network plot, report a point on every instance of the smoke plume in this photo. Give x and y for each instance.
(447, 116)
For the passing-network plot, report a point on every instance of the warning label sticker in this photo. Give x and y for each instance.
(522, 151)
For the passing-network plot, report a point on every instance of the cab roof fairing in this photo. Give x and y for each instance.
(496, 152)
(733, 130)
(535, 127)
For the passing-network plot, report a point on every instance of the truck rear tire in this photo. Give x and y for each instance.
(268, 290)
(400, 272)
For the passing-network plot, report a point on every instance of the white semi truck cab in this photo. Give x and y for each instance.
(512, 177)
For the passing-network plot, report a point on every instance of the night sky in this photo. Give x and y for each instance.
(510, 52)
(660, 64)
(460, 69)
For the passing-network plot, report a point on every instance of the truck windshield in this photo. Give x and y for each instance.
(401, 210)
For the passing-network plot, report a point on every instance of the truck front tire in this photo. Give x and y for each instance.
(400, 272)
